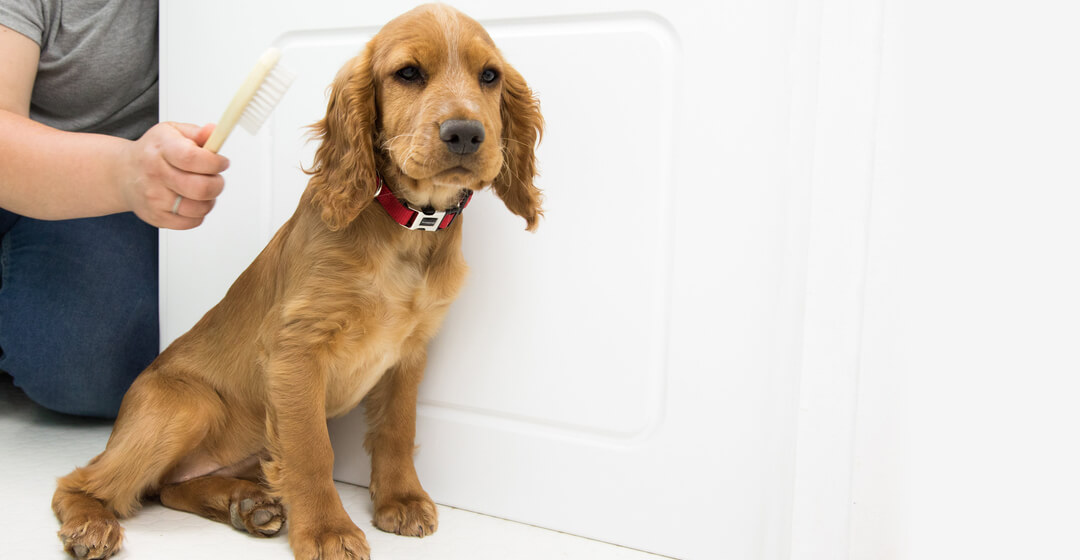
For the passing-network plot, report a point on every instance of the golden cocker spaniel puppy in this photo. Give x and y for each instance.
(230, 421)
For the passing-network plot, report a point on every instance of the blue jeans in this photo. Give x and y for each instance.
(78, 308)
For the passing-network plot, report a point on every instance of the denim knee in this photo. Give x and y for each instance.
(84, 380)
(90, 371)
(78, 310)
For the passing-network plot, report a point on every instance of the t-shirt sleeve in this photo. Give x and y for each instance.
(25, 16)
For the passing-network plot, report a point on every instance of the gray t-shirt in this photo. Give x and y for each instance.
(98, 70)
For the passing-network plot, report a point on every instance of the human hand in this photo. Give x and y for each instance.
(166, 163)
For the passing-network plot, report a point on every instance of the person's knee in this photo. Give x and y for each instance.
(60, 392)
(88, 378)
(78, 312)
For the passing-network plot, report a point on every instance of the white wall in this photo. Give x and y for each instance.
(967, 428)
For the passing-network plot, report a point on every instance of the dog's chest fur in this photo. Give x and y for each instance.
(403, 297)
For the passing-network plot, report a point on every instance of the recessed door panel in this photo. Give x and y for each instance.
(623, 372)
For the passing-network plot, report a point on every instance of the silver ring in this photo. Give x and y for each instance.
(176, 205)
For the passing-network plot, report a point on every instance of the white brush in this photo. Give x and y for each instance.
(256, 98)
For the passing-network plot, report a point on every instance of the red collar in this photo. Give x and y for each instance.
(415, 219)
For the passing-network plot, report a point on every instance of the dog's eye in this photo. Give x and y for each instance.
(489, 75)
(409, 73)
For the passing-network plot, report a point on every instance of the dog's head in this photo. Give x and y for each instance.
(431, 104)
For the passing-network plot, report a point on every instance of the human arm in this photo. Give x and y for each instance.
(50, 174)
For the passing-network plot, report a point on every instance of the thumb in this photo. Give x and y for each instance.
(204, 133)
(194, 132)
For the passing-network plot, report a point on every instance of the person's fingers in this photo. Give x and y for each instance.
(173, 221)
(195, 186)
(185, 154)
(204, 134)
(165, 162)
(190, 131)
(159, 203)
(194, 132)
(188, 157)
(189, 208)
(164, 218)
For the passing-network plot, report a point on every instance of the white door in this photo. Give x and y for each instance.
(630, 371)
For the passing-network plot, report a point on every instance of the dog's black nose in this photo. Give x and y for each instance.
(461, 136)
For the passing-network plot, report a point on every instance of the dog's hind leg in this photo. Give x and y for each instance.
(161, 420)
(239, 502)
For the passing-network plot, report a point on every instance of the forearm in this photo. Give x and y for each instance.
(51, 174)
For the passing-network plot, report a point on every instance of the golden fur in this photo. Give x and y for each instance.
(230, 421)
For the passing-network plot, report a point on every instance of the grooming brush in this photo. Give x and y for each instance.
(256, 98)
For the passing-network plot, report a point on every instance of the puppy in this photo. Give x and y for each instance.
(230, 421)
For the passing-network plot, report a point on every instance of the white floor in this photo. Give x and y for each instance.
(37, 446)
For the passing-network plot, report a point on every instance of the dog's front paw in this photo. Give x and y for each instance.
(343, 542)
(91, 538)
(411, 516)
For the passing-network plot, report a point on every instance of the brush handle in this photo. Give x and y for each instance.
(240, 101)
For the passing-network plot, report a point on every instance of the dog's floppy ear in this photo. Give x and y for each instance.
(522, 127)
(343, 174)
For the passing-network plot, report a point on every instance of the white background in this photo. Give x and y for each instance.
(857, 308)
(967, 440)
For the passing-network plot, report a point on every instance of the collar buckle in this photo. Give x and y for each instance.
(428, 222)
(418, 220)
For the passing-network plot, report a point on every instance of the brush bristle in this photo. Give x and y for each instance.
(266, 98)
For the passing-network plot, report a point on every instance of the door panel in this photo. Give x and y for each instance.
(628, 372)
